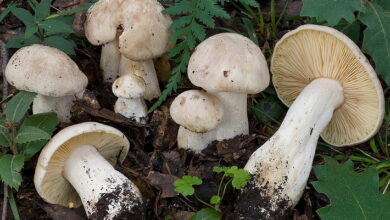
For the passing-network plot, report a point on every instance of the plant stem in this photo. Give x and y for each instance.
(224, 189)
(220, 184)
(4, 61)
(204, 203)
(5, 202)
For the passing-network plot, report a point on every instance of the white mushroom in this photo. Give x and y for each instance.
(333, 92)
(228, 66)
(110, 61)
(129, 89)
(76, 167)
(50, 73)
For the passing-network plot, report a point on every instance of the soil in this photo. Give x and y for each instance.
(154, 161)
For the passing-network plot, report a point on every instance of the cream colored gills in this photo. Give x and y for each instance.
(333, 92)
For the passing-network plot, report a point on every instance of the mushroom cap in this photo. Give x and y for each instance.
(51, 185)
(129, 86)
(46, 71)
(145, 29)
(314, 51)
(197, 111)
(229, 62)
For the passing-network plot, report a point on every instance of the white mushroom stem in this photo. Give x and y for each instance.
(281, 167)
(132, 108)
(60, 105)
(102, 189)
(109, 61)
(145, 70)
(234, 122)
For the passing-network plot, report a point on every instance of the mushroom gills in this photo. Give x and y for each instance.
(281, 167)
(103, 190)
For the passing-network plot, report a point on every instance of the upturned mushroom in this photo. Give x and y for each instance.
(228, 66)
(76, 167)
(333, 92)
(143, 36)
(50, 73)
(129, 89)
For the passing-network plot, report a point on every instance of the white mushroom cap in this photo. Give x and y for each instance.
(48, 179)
(313, 51)
(197, 111)
(145, 28)
(128, 86)
(45, 70)
(229, 62)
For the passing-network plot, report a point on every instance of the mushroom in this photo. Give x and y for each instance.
(143, 35)
(228, 66)
(332, 91)
(76, 167)
(110, 61)
(197, 112)
(129, 89)
(50, 73)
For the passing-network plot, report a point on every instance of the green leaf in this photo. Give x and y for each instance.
(351, 30)
(376, 41)
(385, 4)
(42, 10)
(269, 109)
(19, 41)
(54, 26)
(207, 214)
(4, 135)
(14, 208)
(30, 133)
(352, 195)
(240, 177)
(332, 11)
(30, 31)
(220, 169)
(25, 16)
(45, 121)
(18, 106)
(215, 200)
(7, 11)
(29, 149)
(10, 167)
(61, 43)
(250, 30)
(185, 185)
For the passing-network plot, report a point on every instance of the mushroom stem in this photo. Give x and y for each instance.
(109, 61)
(281, 167)
(145, 70)
(104, 192)
(60, 105)
(131, 108)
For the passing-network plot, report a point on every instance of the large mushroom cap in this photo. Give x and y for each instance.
(145, 28)
(197, 111)
(48, 179)
(229, 62)
(314, 51)
(45, 70)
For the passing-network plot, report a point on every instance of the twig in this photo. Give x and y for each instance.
(5, 202)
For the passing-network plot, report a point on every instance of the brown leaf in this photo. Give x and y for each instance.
(57, 212)
(183, 215)
(164, 182)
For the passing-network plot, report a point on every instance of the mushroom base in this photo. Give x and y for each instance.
(104, 191)
(283, 164)
(132, 108)
(60, 105)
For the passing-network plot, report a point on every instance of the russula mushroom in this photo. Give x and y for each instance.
(143, 35)
(332, 91)
(197, 112)
(228, 66)
(76, 167)
(129, 89)
(50, 73)
(110, 61)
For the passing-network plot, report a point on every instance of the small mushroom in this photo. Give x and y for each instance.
(129, 89)
(332, 91)
(50, 73)
(228, 66)
(76, 167)
(197, 112)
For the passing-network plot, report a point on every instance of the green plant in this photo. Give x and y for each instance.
(238, 178)
(21, 138)
(352, 195)
(354, 16)
(51, 29)
(195, 17)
